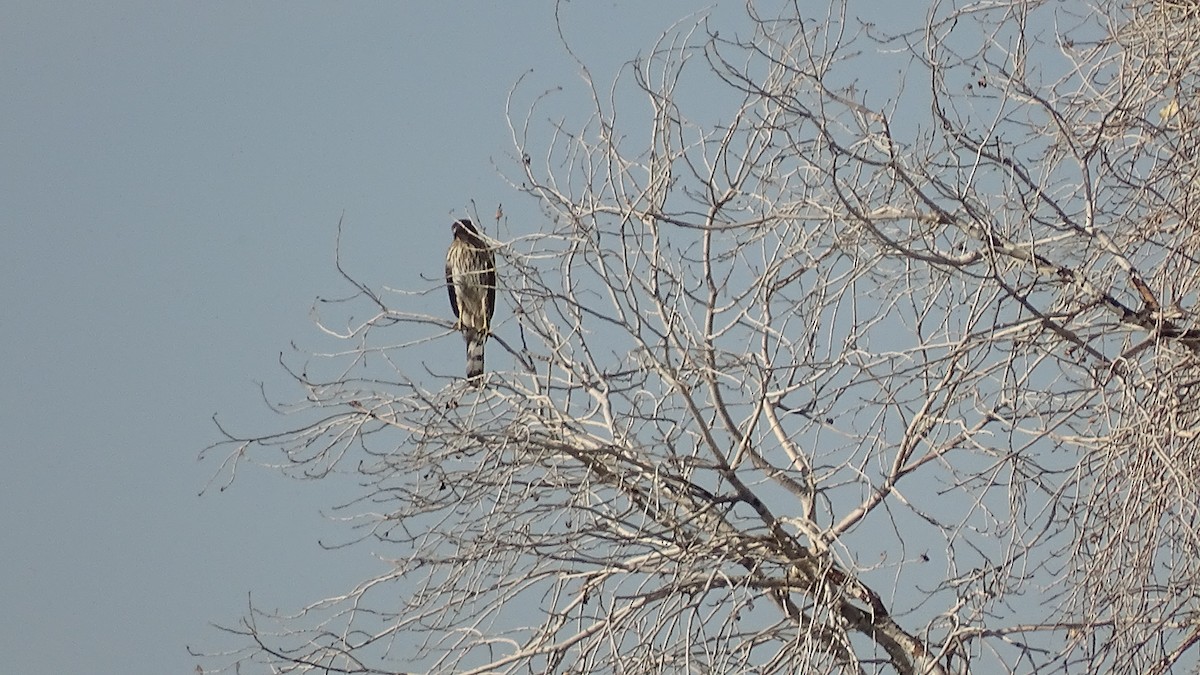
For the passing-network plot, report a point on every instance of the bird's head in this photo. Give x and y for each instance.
(465, 230)
(464, 226)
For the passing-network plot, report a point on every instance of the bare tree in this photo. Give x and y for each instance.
(841, 348)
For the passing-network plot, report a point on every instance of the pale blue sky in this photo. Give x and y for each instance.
(172, 177)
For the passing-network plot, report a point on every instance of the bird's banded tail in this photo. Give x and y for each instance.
(475, 341)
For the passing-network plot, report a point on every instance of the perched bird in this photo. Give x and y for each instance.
(471, 282)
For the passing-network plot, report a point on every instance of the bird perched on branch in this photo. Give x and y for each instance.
(471, 282)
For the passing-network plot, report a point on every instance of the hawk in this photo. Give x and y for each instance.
(471, 282)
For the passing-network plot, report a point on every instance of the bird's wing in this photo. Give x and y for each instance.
(489, 280)
(450, 283)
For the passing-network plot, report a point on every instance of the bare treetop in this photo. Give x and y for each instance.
(839, 348)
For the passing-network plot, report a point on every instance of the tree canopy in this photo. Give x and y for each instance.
(839, 347)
